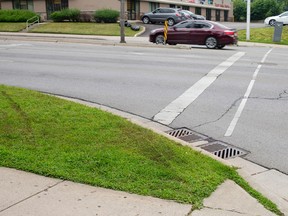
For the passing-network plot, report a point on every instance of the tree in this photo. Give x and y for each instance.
(239, 11)
(260, 9)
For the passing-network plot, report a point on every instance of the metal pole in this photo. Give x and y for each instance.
(122, 22)
(248, 20)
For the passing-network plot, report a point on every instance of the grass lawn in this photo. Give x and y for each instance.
(53, 137)
(108, 29)
(264, 35)
(11, 27)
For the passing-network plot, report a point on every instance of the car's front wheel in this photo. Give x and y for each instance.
(211, 43)
(159, 39)
(146, 20)
(272, 22)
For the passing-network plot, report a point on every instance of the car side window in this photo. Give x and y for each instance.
(157, 11)
(285, 14)
(184, 25)
(198, 25)
(201, 25)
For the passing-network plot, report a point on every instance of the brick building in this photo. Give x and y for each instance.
(217, 10)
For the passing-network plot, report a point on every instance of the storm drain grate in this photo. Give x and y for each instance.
(223, 150)
(186, 135)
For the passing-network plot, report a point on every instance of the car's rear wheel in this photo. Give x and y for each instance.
(146, 20)
(159, 39)
(171, 22)
(272, 22)
(211, 43)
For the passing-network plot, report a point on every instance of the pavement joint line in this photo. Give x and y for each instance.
(33, 195)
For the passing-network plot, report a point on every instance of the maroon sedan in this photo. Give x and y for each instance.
(198, 32)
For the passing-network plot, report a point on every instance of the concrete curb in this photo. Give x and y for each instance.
(271, 183)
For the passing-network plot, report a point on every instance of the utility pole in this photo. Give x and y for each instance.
(122, 21)
(248, 20)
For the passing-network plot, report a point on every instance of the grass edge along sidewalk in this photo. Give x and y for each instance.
(62, 139)
(101, 29)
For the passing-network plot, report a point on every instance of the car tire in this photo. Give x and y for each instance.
(145, 20)
(159, 39)
(272, 22)
(171, 22)
(211, 42)
(220, 46)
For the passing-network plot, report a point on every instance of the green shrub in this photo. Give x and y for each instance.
(106, 16)
(16, 15)
(72, 15)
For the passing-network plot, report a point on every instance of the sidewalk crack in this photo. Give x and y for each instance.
(33, 195)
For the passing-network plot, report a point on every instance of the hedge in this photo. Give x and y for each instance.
(16, 15)
(106, 16)
(72, 15)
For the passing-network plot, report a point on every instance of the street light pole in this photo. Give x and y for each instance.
(248, 20)
(122, 21)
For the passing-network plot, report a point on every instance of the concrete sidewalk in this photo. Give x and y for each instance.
(26, 194)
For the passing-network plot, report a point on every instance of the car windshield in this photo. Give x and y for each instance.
(284, 14)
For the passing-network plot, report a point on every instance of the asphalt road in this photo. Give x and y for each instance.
(145, 80)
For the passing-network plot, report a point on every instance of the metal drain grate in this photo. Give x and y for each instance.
(223, 150)
(180, 132)
(186, 135)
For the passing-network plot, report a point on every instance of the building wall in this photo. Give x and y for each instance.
(6, 4)
(92, 5)
(40, 8)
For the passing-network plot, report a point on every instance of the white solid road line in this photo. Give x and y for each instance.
(175, 108)
(245, 98)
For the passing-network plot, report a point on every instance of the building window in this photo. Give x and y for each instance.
(153, 6)
(23, 4)
(198, 10)
(185, 7)
(172, 6)
(210, 2)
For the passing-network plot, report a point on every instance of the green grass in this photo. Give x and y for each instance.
(57, 138)
(107, 29)
(264, 35)
(11, 27)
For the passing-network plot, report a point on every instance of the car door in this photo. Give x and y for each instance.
(284, 18)
(154, 17)
(180, 33)
(199, 32)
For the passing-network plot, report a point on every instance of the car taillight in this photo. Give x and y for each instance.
(177, 14)
(228, 32)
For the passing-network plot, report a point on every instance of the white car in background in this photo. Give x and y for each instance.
(279, 18)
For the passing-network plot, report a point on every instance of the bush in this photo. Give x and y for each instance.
(260, 9)
(106, 16)
(16, 15)
(72, 15)
(239, 11)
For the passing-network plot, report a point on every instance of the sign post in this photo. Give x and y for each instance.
(248, 20)
(165, 31)
(122, 21)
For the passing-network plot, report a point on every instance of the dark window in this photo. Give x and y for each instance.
(153, 6)
(23, 4)
(184, 25)
(185, 8)
(225, 16)
(201, 25)
(172, 6)
(198, 10)
(208, 13)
